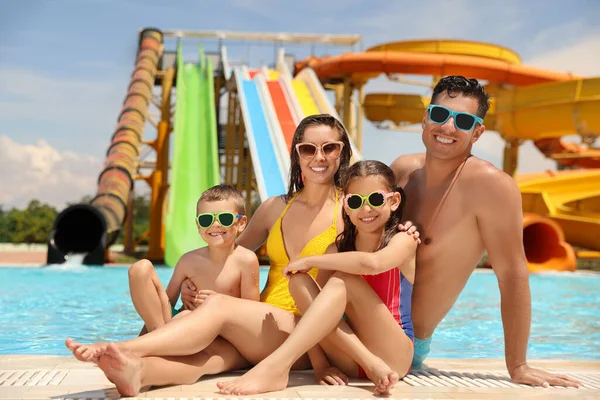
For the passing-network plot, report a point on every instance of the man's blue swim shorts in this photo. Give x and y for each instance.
(422, 349)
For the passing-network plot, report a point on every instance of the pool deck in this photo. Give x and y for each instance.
(54, 377)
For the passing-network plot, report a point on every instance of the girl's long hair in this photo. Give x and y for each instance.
(296, 181)
(346, 241)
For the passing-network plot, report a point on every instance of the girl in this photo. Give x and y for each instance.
(371, 281)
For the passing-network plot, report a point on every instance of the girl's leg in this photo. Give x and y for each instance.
(254, 329)
(374, 326)
(130, 373)
(305, 290)
(148, 295)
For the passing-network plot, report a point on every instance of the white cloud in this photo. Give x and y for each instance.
(39, 171)
(581, 57)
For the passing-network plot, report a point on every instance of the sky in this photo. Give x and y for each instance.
(65, 66)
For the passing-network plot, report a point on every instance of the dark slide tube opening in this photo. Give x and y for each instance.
(541, 242)
(81, 229)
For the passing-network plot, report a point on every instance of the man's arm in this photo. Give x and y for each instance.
(500, 220)
(250, 286)
(405, 165)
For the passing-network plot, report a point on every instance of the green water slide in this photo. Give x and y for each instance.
(195, 157)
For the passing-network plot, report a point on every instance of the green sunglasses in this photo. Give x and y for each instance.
(462, 120)
(226, 219)
(376, 199)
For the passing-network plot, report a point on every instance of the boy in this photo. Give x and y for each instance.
(220, 267)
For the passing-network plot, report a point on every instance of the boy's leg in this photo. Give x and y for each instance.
(130, 373)
(148, 295)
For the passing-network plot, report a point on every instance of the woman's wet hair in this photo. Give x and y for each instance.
(347, 239)
(296, 181)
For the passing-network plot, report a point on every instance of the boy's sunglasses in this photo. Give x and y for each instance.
(462, 120)
(226, 219)
(375, 199)
(331, 150)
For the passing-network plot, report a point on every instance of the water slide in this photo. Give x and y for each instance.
(195, 158)
(305, 96)
(89, 229)
(273, 104)
(520, 112)
(571, 200)
(265, 146)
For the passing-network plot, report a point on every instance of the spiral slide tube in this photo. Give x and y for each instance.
(90, 228)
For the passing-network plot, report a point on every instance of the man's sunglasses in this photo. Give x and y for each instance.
(462, 120)
(331, 150)
(376, 199)
(226, 219)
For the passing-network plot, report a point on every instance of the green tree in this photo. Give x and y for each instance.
(31, 225)
(141, 219)
(3, 225)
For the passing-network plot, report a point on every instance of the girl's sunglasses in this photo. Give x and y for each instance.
(375, 199)
(462, 120)
(226, 219)
(331, 150)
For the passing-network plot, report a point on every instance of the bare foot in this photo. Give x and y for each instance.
(382, 376)
(86, 352)
(260, 379)
(124, 370)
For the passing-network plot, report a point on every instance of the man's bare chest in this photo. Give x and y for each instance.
(436, 214)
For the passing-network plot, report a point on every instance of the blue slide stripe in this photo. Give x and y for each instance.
(266, 152)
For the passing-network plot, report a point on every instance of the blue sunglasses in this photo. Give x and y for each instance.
(462, 120)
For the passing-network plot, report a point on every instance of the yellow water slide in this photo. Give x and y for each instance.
(571, 199)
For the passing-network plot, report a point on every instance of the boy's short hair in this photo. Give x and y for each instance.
(224, 192)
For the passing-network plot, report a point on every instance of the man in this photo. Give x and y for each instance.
(464, 206)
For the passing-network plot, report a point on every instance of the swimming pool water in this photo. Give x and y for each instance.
(41, 307)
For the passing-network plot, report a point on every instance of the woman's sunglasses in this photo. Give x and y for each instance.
(226, 219)
(462, 120)
(375, 199)
(331, 150)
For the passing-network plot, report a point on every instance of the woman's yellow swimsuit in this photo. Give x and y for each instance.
(276, 291)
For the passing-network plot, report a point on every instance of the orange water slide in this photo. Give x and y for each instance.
(479, 60)
(283, 112)
(359, 67)
(553, 148)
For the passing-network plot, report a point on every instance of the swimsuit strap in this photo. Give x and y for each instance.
(446, 193)
(288, 204)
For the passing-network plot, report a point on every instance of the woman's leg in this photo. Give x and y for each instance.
(130, 373)
(148, 295)
(383, 340)
(254, 329)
